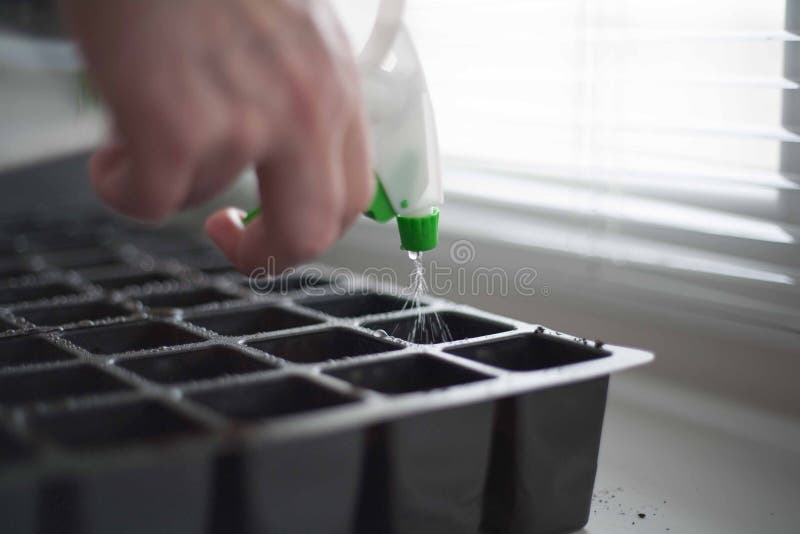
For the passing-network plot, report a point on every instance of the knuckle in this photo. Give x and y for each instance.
(320, 107)
(321, 94)
(303, 105)
(182, 143)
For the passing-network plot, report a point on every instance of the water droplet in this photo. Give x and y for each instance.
(381, 333)
(414, 256)
(167, 313)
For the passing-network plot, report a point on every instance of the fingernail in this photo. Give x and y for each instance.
(236, 216)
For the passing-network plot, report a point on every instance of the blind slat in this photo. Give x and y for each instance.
(758, 201)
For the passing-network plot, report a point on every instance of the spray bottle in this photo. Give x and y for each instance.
(406, 155)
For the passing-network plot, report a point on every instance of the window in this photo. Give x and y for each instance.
(652, 137)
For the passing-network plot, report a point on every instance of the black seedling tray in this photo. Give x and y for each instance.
(146, 387)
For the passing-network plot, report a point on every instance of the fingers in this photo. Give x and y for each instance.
(238, 148)
(357, 169)
(149, 174)
(184, 142)
(180, 165)
(109, 166)
(152, 91)
(306, 204)
(225, 228)
(302, 195)
(107, 160)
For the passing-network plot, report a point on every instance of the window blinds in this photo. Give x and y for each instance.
(661, 136)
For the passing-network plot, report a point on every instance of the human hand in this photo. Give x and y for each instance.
(200, 89)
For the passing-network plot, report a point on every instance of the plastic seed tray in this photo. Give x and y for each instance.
(147, 387)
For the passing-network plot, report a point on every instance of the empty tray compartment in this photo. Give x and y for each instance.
(114, 282)
(443, 327)
(323, 345)
(282, 480)
(357, 305)
(427, 472)
(166, 490)
(102, 267)
(269, 399)
(12, 448)
(30, 351)
(81, 259)
(263, 285)
(130, 337)
(186, 299)
(53, 385)
(219, 270)
(166, 244)
(211, 263)
(10, 295)
(192, 365)
(8, 245)
(201, 258)
(544, 459)
(5, 325)
(17, 497)
(57, 241)
(13, 269)
(113, 425)
(529, 352)
(71, 313)
(251, 321)
(407, 374)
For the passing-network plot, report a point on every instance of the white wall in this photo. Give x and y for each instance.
(41, 116)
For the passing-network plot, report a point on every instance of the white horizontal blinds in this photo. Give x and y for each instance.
(642, 123)
(681, 85)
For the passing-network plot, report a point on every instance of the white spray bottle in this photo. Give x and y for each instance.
(406, 154)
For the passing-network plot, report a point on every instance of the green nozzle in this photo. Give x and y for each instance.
(252, 214)
(419, 234)
(381, 208)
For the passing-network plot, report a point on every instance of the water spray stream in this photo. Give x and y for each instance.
(428, 327)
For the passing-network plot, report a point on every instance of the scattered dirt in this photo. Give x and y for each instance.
(606, 500)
